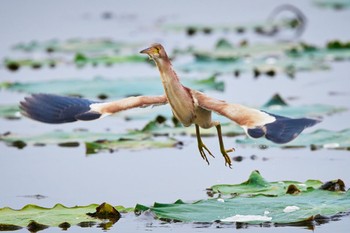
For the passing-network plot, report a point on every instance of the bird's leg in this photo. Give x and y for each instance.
(201, 145)
(222, 147)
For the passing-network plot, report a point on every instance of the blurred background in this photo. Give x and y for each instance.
(240, 51)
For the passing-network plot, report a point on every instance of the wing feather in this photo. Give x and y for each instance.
(57, 109)
(255, 122)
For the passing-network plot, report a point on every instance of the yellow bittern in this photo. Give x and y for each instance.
(188, 106)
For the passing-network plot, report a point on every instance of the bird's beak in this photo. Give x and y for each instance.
(146, 51)
(151, 51)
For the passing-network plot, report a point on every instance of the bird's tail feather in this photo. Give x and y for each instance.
(57, 109)
(282, 130)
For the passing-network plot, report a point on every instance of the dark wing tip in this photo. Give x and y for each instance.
(283, 129)
(54, 109)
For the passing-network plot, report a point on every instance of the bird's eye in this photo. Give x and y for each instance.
(157, 50)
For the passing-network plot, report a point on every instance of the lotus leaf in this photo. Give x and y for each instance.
(102, 145)
(59, 215)
(257, 185)
(263, 202)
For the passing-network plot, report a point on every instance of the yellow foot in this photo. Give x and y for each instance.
(204, 156)
(226, 157)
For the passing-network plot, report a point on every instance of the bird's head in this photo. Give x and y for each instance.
(155, 52)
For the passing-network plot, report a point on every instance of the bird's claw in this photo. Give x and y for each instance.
(204, 156)
(227, 157)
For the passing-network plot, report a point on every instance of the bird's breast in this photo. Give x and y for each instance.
(181, 103)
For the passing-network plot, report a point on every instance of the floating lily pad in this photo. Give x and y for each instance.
(318, 139)
(57, 216)
(103, 145)
(108, 88)
(306, 206)
(257, 185)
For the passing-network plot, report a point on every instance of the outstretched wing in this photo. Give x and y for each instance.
(57, 109)
(255, 122)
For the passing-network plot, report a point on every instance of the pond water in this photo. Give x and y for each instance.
(127, 177)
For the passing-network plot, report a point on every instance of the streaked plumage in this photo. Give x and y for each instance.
(188, 106)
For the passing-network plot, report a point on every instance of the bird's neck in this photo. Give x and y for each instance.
(179, 97)
(168, 76)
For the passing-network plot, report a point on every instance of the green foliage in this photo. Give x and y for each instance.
(59, 215)
(257, 185)
(259, 201)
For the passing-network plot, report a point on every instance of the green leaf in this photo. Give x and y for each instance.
(57, 215)
(285, 209)
(255, 204)
(257, 185)
(318, 139)
(102, 145)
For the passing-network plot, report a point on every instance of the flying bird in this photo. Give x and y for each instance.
(188, 106)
